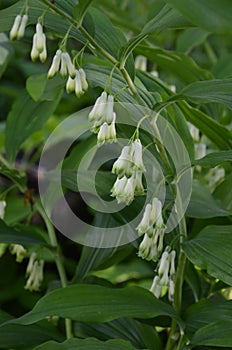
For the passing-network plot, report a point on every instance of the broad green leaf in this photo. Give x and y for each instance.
(178, 64)
(218, 90)
(139, 334)
(223, 192)
(95, 258)
(26, 112)
(166, 18)
(93, 303)
(190, 38)
(211, 250)
(202, 204)
(82, 7)
(201, 314)
(215, 334)
(26, 337)
(213, 159)
(110, 37)
(87, 344)
(216, 132)
(213, 15)
(6, 52)
(20, 234)
(43, 89)
(223, 67)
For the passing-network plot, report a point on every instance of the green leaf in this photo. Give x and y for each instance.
(43, 89)
(206, 311)
(218, 90)
(26, 117)
(211, 250)
(26, 337)
(6, 52)
(139, 334)
(90, 303)
(202, 204)
(94, 258)
(223, 192)
(190, 38)
(216, 132)
(215, 334)
(87, 344)
(213, 15)
(166, 18)
(130, 46)
(20, 234)
(223, 67)
(99, 76)
(213, 159)
(83, 6)
(178, 64)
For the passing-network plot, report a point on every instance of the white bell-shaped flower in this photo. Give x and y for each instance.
(15, 27)
(55, 66)
(22, 27)
(123, 165)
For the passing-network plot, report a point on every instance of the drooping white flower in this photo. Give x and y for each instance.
(34, 273)
(152, 220)
(55, 66)
(70, 85)
(194, 131)
(123, 190)
(67, 67)
(141, 63)
(139, 189)
(84, 82)
(123, 165)
(15, 27)
(79, 84)
(107, 133)
(102, 111)
(22, 27)
(200, 150)
(39, 49)
(137, 155)
(148, 248)
(2, 209)
(156, 287)
(19, 251)
(165, 274)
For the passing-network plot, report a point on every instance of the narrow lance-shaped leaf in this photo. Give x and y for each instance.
(97, 304)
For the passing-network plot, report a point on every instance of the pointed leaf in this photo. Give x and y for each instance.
(215, 334)
(211, 250)
(87, 344)
(213, 15)
(213, 159)
(93, 303)
(218, 90)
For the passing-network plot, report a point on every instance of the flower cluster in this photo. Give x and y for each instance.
(18, 28)
(62, 63)
(165, 275)
(153, 227)
(103, 117)
(79, 84)
(39, 49)
(34, 273)
(130, 168)
(19, 251)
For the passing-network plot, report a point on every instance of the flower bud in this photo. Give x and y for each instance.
(55, 64)
(34, 51)
(15, 27)
(78, 87)
(70, 67)
(70, 85)
(84, 83)
(22, 27)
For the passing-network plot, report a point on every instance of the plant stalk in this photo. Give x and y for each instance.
(58, 261)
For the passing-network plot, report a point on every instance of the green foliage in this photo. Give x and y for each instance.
(96, 295)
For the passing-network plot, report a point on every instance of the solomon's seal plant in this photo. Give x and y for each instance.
(115, 132)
